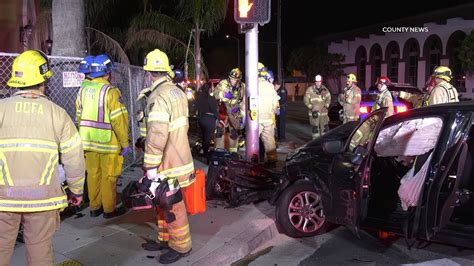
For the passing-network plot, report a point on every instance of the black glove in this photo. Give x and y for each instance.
(315, 114)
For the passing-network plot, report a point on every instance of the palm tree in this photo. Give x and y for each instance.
(204, 16)
(68, 18)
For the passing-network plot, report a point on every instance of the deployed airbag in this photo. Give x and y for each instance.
(409, 138)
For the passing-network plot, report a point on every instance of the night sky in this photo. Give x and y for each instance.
(302, 22)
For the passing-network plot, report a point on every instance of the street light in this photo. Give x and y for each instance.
(238, 47)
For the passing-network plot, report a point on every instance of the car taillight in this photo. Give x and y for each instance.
(364, 110)
(401, 109)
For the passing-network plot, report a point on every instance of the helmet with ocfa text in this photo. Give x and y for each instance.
(383, 80)
(235, 74)
(262, 70)
(351, 77)
(157, 61)
(30, 68)
(443, 72)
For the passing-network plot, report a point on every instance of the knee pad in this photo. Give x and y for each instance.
(315, 130)
(234, 134)
(219, 132)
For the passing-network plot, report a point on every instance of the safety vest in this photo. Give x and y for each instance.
(450, 92)
(95, 121)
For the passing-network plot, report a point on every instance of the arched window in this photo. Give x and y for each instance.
(411, 54)
(432, 51)
(376, 62)
(452, 51)
(392, 56)
(361, 61)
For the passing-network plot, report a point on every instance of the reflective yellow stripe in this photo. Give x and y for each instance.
(118, 112)
(152, 159)
(5, 172)
(100, 147)
(27, 145)
(177, 123)
(70, 143)
(180, 230)
(77, 185)
(179, 171)
(143, 132)
(159, 117)
(182, 242)
(33, 205)
(49, 168)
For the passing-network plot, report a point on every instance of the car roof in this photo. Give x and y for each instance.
(433, 110)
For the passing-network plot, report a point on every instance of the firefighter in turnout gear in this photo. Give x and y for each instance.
(384, 97)
(350, 100)
(231, 93)
(167, 153)
(34, 133)
(318, 98)
(267, 109)
(438, 90)
(103, 126)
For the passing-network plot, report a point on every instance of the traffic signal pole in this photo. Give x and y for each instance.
(251, 81)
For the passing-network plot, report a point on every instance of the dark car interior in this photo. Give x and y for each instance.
(456, 197)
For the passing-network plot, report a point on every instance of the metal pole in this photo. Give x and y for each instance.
(279, 59)
(251, 80)
(238, 52)
(132, 109)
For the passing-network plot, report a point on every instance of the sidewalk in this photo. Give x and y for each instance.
(220, 236)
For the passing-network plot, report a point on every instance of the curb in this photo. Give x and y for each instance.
(240, 246)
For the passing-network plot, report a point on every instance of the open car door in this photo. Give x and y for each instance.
(349, 181)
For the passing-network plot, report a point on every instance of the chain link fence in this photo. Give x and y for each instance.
(129, 79)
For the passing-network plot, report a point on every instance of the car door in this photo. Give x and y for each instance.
(349, 177)
(439, 204)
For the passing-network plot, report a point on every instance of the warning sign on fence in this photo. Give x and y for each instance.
(72, 79)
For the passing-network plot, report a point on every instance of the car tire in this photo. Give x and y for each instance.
(290, 219)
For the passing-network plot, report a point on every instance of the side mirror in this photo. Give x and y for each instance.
(333, 147)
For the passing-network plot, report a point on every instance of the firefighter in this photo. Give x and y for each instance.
(167, 153)
(318, 98)
(267, 110)
(230, 93)
(438, 90)
(35, 132)
(103, 126)
(350, 100)
(384, 97)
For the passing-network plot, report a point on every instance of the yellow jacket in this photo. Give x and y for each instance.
(167, 146)
(118, 118)
(34, 133)
(317, 99)
(267, 102)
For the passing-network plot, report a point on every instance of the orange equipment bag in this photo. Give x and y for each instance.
(195, 194)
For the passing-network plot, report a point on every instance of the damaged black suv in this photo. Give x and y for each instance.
(409, 174)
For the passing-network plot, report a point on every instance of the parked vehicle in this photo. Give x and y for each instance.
(352, 176)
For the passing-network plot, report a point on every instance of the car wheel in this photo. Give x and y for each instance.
(299, 211)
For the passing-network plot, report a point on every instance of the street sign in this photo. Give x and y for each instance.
(252, 11)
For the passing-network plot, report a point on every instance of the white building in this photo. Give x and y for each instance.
(407, 50)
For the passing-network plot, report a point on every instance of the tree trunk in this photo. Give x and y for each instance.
(197, 53)
(68, 28)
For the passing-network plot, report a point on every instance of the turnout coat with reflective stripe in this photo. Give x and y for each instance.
(34, 134)
(102, 117)
(167, 145)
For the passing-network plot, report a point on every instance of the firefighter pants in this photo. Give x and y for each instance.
(103, 170)
(266, 131)
(319, 126)
(177, 233)
(38, 231)
(233, 138)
